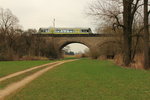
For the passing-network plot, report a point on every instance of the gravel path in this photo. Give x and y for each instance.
(24, 71)
(12, 88)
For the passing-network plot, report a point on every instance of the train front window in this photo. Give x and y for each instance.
(41, 30)
(85, 31)
(44, 30)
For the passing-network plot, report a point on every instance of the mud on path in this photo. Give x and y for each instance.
(20, 84)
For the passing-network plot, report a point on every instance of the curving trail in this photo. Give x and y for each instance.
(24, 71)
(20, 84)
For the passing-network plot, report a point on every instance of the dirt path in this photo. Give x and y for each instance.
(24, 71)
(20, 84)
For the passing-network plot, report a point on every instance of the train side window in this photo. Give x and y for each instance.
(59, 31)
(65, 31)
(47, 30)
(70, 31)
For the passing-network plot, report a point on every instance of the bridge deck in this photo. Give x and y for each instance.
(74, 35)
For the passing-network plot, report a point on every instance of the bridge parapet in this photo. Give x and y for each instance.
(74, 35)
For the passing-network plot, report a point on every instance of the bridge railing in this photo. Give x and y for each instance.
(74, 35)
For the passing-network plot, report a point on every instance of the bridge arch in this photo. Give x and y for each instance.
(70, 42)
(91, 41)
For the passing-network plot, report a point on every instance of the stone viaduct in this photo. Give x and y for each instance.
(92, 41)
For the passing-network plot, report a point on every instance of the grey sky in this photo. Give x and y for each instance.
(40, 13)
(82, 48)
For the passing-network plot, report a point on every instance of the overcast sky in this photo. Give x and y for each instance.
(40, 13)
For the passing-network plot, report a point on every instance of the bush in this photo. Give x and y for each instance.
(3, 58)
(33, 58)
(119, 59)
(102, 57)
(138, 62)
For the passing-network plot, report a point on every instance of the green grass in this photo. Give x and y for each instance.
(9, 67)
(69, 58)
(88, 80)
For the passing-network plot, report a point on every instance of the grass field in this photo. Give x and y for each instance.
(88, 80)
(8, 67)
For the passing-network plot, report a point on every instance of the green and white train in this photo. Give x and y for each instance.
(65, 30)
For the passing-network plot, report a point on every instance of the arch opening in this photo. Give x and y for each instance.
(74, 49)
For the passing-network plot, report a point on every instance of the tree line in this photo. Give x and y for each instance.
(16, 44)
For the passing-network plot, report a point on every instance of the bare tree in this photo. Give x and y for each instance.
(8, 21)
(121, 17)
(8, 27)
(107, 11)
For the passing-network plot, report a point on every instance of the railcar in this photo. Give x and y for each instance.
(65, 31)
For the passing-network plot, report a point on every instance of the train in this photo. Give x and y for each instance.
(52, 30)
